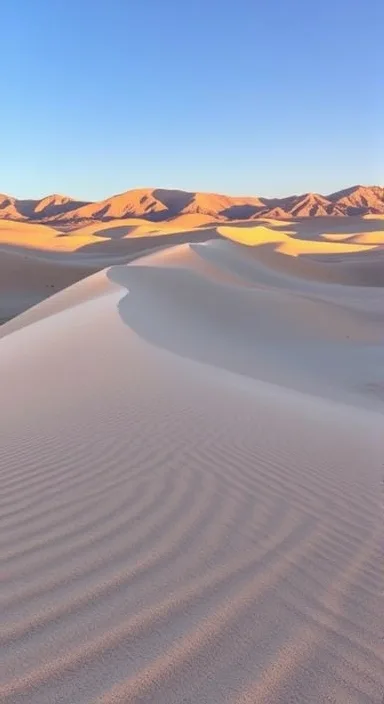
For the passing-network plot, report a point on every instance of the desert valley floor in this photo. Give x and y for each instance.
(191, 462)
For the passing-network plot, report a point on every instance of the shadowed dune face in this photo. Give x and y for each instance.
(135, 246)
(374, 237)
(227, 296)
(114, 233)
(266, 262)
(317, 227)
(27, 279)
(356, 260)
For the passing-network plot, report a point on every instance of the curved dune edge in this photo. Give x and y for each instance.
(90, 288)
(372, 238)
(189, 498)
(45, 238)
(267, 263)
(257, 236)
(41, 237)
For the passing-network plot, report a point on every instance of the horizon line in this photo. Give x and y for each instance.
(187, 190)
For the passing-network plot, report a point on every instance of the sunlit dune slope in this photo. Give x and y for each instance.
(259, 235)
(41, 237)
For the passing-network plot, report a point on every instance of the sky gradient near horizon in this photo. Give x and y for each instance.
(247, 97)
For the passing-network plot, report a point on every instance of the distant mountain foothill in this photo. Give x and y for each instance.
(159, 205)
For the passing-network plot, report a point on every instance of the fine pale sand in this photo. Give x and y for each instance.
(191, 464)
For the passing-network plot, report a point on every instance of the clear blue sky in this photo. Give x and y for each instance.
(239, 96)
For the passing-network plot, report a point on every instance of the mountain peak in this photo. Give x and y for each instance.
(360, 199)
(158, 205)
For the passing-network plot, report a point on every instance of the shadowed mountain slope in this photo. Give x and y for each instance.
(161, 205)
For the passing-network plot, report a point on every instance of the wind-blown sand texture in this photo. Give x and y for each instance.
(191, 466)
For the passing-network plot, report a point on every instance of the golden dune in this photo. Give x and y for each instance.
(373, 238)
(370, 238)
(287, 244)
(42, 237)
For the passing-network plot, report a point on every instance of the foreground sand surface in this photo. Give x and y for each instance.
(191, 468)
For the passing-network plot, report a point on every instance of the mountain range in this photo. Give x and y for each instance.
(158, 205)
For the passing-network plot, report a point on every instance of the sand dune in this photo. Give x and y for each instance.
(191, 460)
(37, 260)
(259, 235)
(43, 238)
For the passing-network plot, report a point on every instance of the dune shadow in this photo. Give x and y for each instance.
(265, 264)
(313, 227)
(363, 269)
(240, 212)
(120, 246)
(254, 332)
(115, 232)
(194, 318)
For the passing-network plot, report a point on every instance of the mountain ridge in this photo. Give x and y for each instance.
(157, 205)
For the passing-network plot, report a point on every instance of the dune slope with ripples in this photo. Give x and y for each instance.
(191, 460)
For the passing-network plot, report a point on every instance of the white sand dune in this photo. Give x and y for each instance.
(36, 261)
(191, 461)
